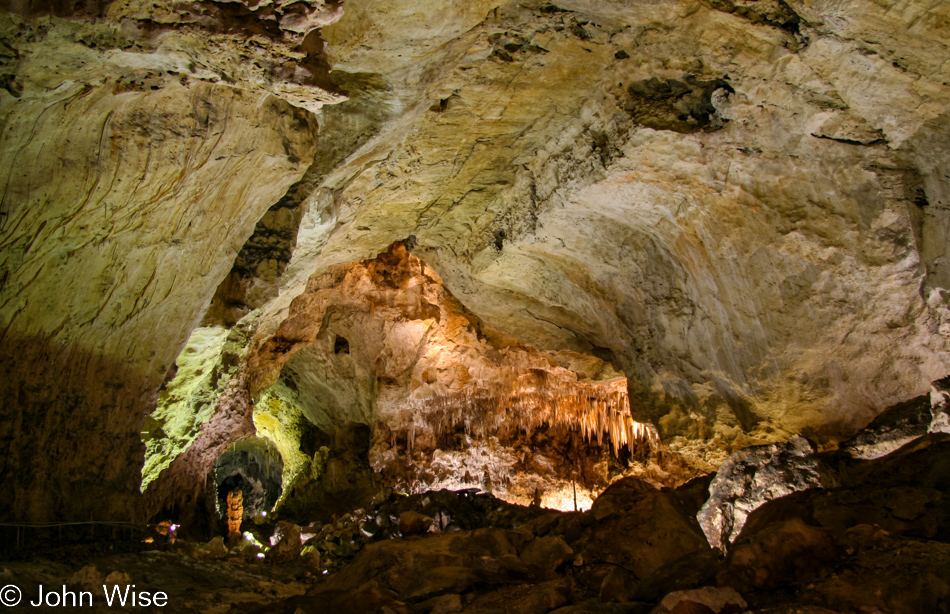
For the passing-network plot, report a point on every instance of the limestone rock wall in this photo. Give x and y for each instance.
(452, 402)
(132, 176)
(743, 208)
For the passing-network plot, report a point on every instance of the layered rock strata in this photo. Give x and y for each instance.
(139, 148)
(740, 208)
(743, 222)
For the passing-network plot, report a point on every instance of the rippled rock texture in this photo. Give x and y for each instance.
(741, 208)
(135, 169)
(749, 224)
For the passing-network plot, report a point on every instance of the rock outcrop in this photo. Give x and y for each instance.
(749, 227)
(873, 542)
(138, 153)
(891, 429)
(753, 476)
(940, 406)
(879, 541)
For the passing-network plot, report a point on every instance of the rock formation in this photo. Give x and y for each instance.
(137, 161)
(875, 542)
(631, 261)
(751, 477)
(235, 513)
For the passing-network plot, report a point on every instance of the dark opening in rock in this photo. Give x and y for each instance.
(500, 236)
(682, 106)
(341, 346)
(255, 467)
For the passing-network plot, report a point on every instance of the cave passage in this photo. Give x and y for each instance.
(476, 306)
(255, 467)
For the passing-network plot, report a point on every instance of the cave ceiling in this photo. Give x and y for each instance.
(737, 210)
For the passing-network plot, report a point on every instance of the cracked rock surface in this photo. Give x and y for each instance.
(859, 546)
(739, 207)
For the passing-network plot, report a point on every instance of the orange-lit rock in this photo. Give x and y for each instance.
(235, 513)
(453, 403)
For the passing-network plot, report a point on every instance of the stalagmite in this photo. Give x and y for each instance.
(235, 513)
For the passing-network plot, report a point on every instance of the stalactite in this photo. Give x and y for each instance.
(513, 396)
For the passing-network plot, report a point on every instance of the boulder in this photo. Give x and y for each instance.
(546, 554)
(694, 493)
(413, 523)
(286, 543)
(940, 406)
(754, 475)
(891, 429)
(443, 604)
(524, 598)
(89, 578)
(621, 496)
(885, 573)
(705, 600)
(778, 555)
(440, 581)
(902, 493)
(900, 510)
(247, 550)
(416, 570)
(903, 423)
(694, 570)
(214, 549)
(905, 491)
(881, 573)
(311, 558)
(617, 586)
(637, 527)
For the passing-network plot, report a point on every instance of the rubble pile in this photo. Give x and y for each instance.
(853, 535)
(392, 515)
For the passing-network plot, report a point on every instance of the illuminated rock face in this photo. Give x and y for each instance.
(759, 246)
(742, 210)
(453, 403)
(133, 173)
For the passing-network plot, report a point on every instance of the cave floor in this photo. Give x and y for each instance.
(879, 572)
(874, 542)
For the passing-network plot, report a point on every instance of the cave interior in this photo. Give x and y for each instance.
(483, 306)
